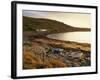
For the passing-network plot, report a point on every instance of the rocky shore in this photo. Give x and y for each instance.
(43, 52)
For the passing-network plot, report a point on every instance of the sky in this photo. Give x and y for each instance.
(82, 20)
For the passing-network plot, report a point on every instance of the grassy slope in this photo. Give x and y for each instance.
(31, 24)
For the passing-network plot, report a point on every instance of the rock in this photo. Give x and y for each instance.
(76, 64)
(76, 54)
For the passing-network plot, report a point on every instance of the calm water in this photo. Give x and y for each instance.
(82, 37)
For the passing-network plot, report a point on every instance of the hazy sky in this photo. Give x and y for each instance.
(73, 19)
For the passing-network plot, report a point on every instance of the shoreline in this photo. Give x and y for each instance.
(64, 44)
(42, 37)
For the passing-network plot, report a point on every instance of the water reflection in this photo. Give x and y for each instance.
(82, 37)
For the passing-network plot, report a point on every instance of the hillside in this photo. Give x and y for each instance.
(52, 26)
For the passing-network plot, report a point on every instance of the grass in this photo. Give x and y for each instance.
(32, 61)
